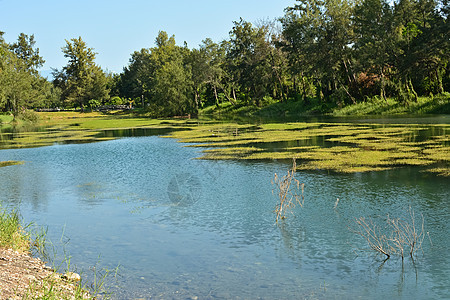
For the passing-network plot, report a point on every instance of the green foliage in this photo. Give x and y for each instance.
(81, 80)
(321, 54)
(160, 79)
(339, 52)
(116, 100)
(93, 104)
(28, 116)
(21, 86)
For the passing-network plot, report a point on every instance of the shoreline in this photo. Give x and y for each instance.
(23, 276)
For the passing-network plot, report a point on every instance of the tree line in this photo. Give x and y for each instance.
(337, 51)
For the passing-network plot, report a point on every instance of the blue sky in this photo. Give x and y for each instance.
(115, 29)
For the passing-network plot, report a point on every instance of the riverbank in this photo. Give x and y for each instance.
(25, 277)
(439, 104)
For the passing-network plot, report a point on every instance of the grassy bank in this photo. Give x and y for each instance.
(12, 236)
(5, 118)
(439, 104)
(24, 277)
(74, 127)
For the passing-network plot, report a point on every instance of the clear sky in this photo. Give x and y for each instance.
(115, 29)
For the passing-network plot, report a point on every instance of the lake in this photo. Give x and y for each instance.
(183, 228)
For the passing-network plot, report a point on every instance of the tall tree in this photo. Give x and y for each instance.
(160, 77)
(249, 59)
(21, 86)
(375, 39)
(321, 32)
(24, 50)
(81, 79)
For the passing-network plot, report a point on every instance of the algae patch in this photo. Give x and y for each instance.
(10, 163)
(342, 147)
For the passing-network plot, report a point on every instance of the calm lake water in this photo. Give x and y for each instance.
(182, 228)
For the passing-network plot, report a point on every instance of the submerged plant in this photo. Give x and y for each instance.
(289, 191)
(396, 236)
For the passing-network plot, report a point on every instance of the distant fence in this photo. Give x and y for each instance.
(98, 108)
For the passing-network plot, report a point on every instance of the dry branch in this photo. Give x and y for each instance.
(290, 192)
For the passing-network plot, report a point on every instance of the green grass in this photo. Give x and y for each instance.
(439, 104)
(5, 118)
(74, 127)
(269, 109)
(12, 235)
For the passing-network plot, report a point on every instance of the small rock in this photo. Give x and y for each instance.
(72, 276)
(30, 277)
(55, 277)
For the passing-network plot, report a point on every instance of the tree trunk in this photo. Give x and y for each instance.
(382, 87)
(439, 80)
(215, 96)
(411, 87)
(305, 96)
(196, 99)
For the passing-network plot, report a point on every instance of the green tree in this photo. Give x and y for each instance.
(25, 51)
(81, 79)
(320, 33)
(160, 77)
(375, 39)
(21, 86)
(171, 85)
(207, 72)
(249, 59)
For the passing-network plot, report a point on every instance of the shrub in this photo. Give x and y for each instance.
(28, 116)
(117, 101)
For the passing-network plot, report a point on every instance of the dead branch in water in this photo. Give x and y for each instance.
(288, 189)
(398, 236)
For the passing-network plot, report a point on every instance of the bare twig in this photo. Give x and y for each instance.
(400, 237)
(288, 190)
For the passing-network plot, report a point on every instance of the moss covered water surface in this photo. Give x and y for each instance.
(338, 147)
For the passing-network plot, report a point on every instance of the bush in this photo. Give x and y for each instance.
(117, 101)
(28, 116)
(94, 104)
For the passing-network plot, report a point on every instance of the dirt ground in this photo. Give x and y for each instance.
(22, 276)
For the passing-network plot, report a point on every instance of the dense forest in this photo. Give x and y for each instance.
(334, 51)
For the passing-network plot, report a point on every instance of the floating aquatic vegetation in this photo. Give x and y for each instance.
(343, 147)
(340, 147)
(10, 163)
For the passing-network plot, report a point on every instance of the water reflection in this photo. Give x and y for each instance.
(181, 227)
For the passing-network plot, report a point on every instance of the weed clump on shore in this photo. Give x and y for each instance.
(12, 235)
